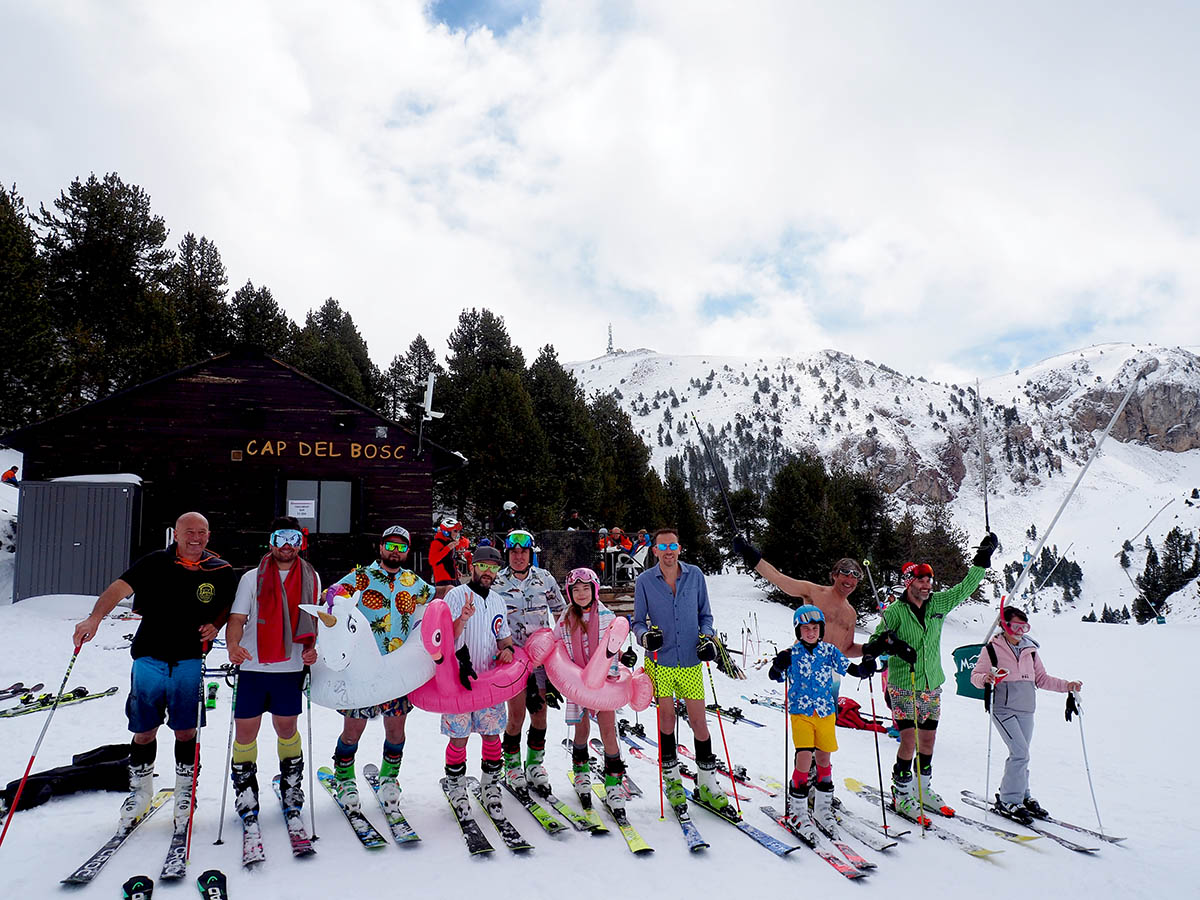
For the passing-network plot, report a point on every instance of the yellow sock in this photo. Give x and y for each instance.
(244, 753)
(289, 748)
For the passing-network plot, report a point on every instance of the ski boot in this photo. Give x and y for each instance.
(1035, 809)
(673, 786)
(709, 791)
(245, 788)
(823, 807)
(389, 787)
(141, 792)
(581, 779)
(536, 775)
(797, 804)
(513, 773)
(291, 784)
(345, 783)
(614, 789)
(904, 797)
(456, 790)
(931, 798)
(1015, 811)
(489, 784)
(184, 776)
(210, 697)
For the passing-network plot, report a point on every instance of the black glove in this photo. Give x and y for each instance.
(533, 697)
(553, 697)
(750, 554)
(629, 658)
(652, 640)
(706, 648)
(780, 664)
(466, 671)
(887, 642)
(864, 669)
(983, 555)
(1072, 706)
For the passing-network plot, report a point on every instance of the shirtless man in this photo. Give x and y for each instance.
(832, 599)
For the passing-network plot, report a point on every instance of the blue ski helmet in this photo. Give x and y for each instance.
(808, 615)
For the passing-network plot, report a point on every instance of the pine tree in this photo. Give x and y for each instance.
(330, 349)
(197, 285)
(1149, 603)
(683, 513)
(257, 319)
(405, 380)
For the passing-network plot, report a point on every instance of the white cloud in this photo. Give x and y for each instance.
(867, 174)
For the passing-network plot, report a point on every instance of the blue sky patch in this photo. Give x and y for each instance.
(499, 16)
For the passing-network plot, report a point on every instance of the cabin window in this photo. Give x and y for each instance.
(323, 507)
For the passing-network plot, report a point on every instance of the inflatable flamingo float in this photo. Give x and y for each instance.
(444, 693)
(589, 685)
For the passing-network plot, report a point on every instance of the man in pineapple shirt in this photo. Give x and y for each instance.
(393, 599)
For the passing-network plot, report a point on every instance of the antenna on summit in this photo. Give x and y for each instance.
(610, 347)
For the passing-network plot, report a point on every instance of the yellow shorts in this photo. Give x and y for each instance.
(684, 682)
(814, 731)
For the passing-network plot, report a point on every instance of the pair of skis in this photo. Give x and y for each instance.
(477, 842)
(368, 836)
(1037, 825)
(46, 701)
(950, 837)
(19, 689)
(852, 866)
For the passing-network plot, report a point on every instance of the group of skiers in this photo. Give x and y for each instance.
(186, 593)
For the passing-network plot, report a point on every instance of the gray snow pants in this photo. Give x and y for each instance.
(1016, 730)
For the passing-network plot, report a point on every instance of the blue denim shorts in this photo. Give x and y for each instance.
(160, 691)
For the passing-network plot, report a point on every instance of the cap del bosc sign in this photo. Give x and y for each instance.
(277, 448)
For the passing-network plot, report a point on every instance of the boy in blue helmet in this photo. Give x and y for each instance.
(809, 665)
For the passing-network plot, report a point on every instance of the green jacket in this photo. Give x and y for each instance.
(927, 639)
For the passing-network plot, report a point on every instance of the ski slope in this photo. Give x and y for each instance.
(1140, 735)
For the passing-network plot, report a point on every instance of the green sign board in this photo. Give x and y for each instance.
(964, 664)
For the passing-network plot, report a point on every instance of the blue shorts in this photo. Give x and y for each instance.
(160, 691)
(278, 693)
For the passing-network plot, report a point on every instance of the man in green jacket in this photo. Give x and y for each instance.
(915, 684)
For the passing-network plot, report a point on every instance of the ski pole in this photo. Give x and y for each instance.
(789, 754)
(32, 756)
(228, 755)
(1086, 767)
(187, 853)
(312, 806)
(982, 455)
(988, 693)
(717, 475)
(917, 757)
(878, 759)
(662, 810)
(1016, 588)
(721, 724)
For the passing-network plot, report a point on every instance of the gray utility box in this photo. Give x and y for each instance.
(74, 537)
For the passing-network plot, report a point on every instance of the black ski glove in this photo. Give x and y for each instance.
(780, 664)
(629, 658)
(1072, 706)
(864, 669)
(750, 554)
(887, 642)
(466, 671)
(706, 648)
(652, 640)
(983, 555)
(533, 697)
(553, 697)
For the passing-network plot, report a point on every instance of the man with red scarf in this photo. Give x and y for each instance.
(272, 653)
(183, 594)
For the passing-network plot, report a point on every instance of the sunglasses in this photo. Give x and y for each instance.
(852, 573)
(287, 536)
(674, 545)
(488, 567)
(393, 546)
(521, 540)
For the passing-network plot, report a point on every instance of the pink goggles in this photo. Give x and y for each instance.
(1016, 627)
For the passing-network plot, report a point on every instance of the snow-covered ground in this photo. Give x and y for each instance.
(1141, 739)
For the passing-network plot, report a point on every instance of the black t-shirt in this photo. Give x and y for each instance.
(174, 599)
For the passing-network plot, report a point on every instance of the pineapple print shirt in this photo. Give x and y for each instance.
(393, 604)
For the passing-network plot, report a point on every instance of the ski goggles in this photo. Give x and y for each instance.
(488, 567)
(287, 537)
(395, 546)
(521, 540)
(674, 545)
(851, 573)
(1016, 626)
(809, 618)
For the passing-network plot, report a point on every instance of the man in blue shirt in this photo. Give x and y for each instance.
(673, 622)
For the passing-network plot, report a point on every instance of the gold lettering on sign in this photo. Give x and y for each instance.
(322, 449)
(355, 450)
(268, 449)
(252, 447)
(305, 448)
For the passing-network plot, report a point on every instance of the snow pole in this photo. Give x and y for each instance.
(878, 758)
(662, 809)
(721, 724)
(921, 820)
(1016, 588)
(789, 753)
(32, 756)
(717, 475)
(235, 672)
(1078, 709)
(982, 453)
(187, 853)
(312, 806)
(988, 693)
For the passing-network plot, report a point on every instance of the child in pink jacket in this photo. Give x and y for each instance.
(1014, 697)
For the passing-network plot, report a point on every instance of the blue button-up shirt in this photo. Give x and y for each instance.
(683, 615)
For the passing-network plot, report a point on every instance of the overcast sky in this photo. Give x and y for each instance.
(952, 189)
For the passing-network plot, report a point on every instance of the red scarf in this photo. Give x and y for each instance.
(275, 599)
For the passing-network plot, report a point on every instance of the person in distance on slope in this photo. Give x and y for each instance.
(481, 627)
(272, 655)
(1014, 697)
(532, 598)
(673, 622)
(911, 631)
(811, 665)
(580, 628)
(448, 540)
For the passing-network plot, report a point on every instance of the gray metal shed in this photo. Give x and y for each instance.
(74, 536)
